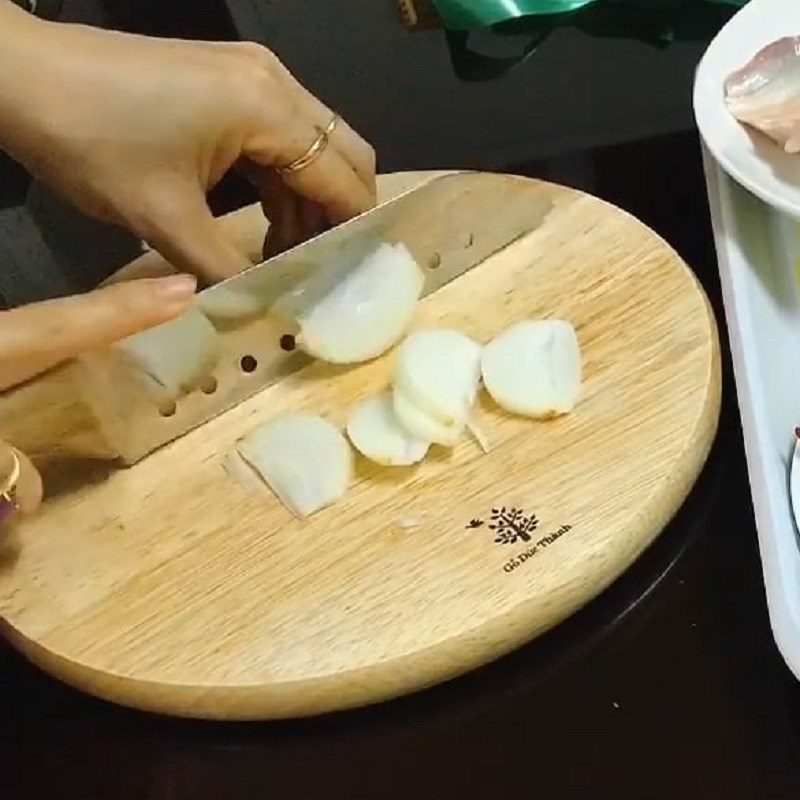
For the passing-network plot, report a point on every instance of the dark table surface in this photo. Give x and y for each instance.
(669, 685)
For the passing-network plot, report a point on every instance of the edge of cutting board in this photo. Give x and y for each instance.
(450, 657)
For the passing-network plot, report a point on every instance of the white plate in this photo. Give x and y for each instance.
(752, 159)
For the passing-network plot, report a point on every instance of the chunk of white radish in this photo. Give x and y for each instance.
(422, 426)
(376, 433)
(534, 368)
(304, 459)
(437, 372)
(365, 313)
(193, 352)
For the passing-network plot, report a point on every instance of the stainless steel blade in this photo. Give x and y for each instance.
(450, 224)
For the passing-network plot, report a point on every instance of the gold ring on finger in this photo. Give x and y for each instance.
(8, 501)
(10, 483)
(314, 152)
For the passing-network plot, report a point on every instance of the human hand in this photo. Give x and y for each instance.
(135, 131)
(36, 337)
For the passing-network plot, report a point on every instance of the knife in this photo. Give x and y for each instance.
(116, 403)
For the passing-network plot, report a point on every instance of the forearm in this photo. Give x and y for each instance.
(23, 55)
(136, 130)
(11, 11)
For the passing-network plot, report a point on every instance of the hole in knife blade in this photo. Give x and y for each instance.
(209, 385)
(435, 262)
(288, 342)
(168, 408)
(248, 363)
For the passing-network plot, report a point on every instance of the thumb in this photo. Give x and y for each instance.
(36, 337)
(182, 228)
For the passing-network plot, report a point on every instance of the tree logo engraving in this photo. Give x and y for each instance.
(510, 525)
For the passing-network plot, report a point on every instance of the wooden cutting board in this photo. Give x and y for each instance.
(169, 587)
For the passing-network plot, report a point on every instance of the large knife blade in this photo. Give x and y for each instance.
(450, 224)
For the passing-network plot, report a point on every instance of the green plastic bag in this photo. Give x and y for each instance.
(655, 22)
(473, 14)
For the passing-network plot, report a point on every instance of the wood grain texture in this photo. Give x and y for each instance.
(48, 417)
(171, 588)
(96, 406)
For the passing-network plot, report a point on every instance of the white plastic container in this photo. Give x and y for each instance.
(758, 250)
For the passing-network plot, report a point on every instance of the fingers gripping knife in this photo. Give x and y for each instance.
(141, 393)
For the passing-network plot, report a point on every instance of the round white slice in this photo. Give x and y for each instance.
(304, 459)
(420, 425)
(367, 311)
(439, 372)
(193, 352)
(375, 432)
(534, 368)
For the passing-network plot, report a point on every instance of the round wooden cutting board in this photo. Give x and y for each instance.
(169, 587)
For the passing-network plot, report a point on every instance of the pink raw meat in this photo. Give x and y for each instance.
(766, 93)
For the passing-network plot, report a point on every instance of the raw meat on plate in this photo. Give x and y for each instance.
(765, 94)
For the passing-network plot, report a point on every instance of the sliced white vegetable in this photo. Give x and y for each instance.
(193, 352)
(436, 381)
(375, 432)
(304, 459)
(365, 313)
(480, 437)
(534, 368)
(420, 425)
(240, 471)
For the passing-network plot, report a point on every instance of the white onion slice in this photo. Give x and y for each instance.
(365, 313)
(437, 374)
(534, 368)
(480, 437)
(240, 471)
(375, 432)
(193, 353)
(304, 459)
(422, 426)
